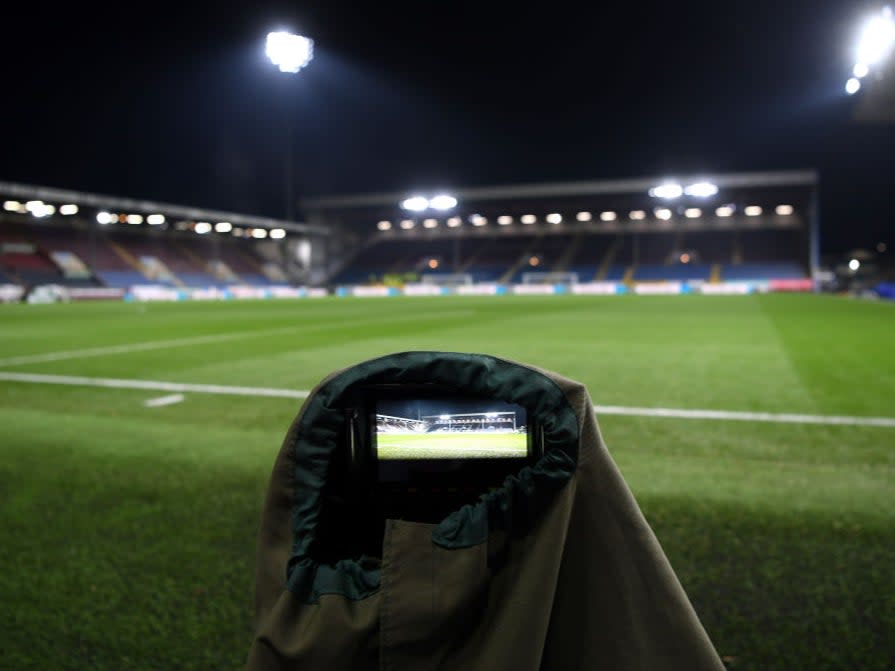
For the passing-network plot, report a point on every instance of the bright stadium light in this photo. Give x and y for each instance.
(68, 209)
(105, 218)
(134, 219)
(407, 224)
(861, 70)
(584, 216)
(430, 223)
(668, 191)
(663, 213)
(444, 418)
(259, 233)
(39, 209)
(155, 219)
(724, 211)
(443, 202)
(415, 203)
(637, 215)
(877, 39)
(478, 220)
(223, 227)
(384, 225)
(454, 222)
(608, 216)
(753, 211)
(852, 86)
(277, 233)
(12, 205)
(290, 53)
(528, 219)
(784, 210)
(701, 190)
(554, 218)
(505, 220)
(854, 265)
(692, 213)
(202, 227)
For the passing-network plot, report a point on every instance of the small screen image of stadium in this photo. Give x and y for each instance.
(450, 429)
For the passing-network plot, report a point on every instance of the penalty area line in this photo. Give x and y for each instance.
(670, 413)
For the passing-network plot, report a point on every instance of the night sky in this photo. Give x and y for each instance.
(176, 102)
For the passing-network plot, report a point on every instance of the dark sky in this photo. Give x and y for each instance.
(176, 102)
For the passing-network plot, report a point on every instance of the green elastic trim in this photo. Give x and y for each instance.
(511, 507)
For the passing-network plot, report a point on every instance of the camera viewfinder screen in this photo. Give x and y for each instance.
(450, 429)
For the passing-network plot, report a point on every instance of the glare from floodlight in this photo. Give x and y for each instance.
(877, 39)
(861, 70)
(478, 220)
(444, 418)
(784, 210)
(155, 219)
(430, 223)
(608, 216)
(554, 218)
(528, 219)
(505, 220)
(407, 224)
(852, 86)
(663, 213)
(692, 213)
(39, 209)
(259, 233)
(384, 225)
(415, 203)
(881, 247)
(68, 209)
(277, 233)
(534, 261)
(854, 264)
(105, 218)
(443, 202)
(202, 227)
(223, 227)
(134, 219)
(637, 215)
(685, 258)
(290, 53)
(701, 189)
(668, 191)
(584, 216)
(454, 222)
(724, 211)
(433, 263)
(12, 205)
(753, 211)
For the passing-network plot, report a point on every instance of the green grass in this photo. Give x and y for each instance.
(451, 445)
(128, 532)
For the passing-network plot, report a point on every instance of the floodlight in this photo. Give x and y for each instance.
(637, 215)
(685, 258)
(784, 210)
(444, 418)
(478, 220)
(852, 86)
(663, 213)
(68, 209)
(39, 209)
(701, 189)
(443, 202)
(854, 264)
(753, 211)
(505, 220)
(223, 227)
(407, 224)
(453, 222)
(724, 211)
(534, 261)
(554, 218)
(12, 205)
(415, 203)
(877, 39)
(692, 213)
(202, 227)
(277, 233)
(669, 190)
(290, 53)
(528, 219)
(384, 225)
(584, 216)
(134, 219)
(861, 70)
(433, 263)
(259, 233)
(608, 216)
(430, 223)
(105, 218)
(155, 219)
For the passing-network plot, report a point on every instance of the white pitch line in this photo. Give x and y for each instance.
(672, 413)
(163, 400)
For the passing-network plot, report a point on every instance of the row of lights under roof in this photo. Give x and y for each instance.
(662, 213)
(38, 208)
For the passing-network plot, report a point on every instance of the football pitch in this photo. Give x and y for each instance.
(470, 445)
(757, 434)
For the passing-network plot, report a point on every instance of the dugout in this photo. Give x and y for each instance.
(551, 566)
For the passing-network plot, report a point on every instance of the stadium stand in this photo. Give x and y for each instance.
(762, 271)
